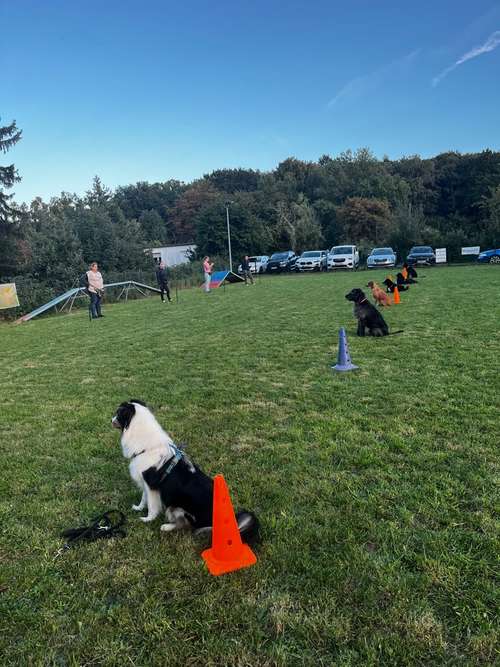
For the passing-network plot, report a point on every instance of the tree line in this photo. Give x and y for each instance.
(449, 200)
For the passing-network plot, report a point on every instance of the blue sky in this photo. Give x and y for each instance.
(154, 90)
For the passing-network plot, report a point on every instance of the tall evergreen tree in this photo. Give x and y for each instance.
(9, 136)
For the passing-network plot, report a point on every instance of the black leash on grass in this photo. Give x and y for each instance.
(102, 527)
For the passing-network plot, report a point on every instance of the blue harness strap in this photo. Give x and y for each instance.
(173, 461)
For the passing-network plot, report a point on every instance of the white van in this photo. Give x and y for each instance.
(343, 257)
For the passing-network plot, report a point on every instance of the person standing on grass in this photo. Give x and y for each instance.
(245, 269)
(96, 290)
(207, 270)
(162, 279)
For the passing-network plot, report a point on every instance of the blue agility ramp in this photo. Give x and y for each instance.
(68, 298)
(51, 304)
(225, 276)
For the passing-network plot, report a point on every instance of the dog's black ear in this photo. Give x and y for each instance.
(152, 477)
(125, 414)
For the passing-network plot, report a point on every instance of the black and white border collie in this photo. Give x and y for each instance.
(166, 476)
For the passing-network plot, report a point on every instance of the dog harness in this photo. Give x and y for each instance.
(172, 462)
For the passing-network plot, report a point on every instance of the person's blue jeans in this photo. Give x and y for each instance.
(95, 304)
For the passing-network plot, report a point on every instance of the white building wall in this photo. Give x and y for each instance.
(173, 255)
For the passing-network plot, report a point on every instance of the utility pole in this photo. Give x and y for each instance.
(229, 236)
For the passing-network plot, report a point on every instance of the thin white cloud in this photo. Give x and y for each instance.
(490, 44)
(361, 85)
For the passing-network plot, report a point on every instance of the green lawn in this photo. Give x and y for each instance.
(375, 489)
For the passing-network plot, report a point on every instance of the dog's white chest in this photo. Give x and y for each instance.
(136, 472)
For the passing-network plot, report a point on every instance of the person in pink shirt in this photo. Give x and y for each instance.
(207, 270)
(96, 290)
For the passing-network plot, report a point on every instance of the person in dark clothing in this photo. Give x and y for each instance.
(161, 277)
(245, 269)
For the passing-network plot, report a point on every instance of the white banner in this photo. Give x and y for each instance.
(440, 255)
(473, 250)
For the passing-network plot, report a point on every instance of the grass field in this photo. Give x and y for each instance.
(375, 489)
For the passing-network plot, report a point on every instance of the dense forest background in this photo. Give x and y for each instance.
(450, 200)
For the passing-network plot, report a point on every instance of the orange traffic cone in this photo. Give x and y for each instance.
(228, 553)
(397, 298)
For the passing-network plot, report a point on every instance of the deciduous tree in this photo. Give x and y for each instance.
(360, 218)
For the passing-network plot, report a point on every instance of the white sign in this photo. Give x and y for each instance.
(473, 250)
(440, 255)
(8, 296)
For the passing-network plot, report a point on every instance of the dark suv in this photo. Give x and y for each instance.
(281, 261)
(421, 254)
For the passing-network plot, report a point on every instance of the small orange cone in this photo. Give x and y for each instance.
(228, 553)
(397, 298)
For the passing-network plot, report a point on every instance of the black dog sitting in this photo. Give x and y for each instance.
(390, 285)
(367, 315)
(412, 274)
(404, 281)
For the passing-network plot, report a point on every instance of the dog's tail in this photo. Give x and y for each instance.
(393, 333)
(248, 525)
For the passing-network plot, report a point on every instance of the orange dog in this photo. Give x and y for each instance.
(378, 294)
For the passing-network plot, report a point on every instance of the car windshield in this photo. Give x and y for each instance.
(341, 250)
(382, 251)
(254, 259)
(422, 248)
(311, 253)
(280, 255)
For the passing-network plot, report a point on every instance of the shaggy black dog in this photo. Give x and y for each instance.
(367, 315)
(390, 285)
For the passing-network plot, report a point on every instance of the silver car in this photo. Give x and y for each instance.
(312, 260)
(381, 257)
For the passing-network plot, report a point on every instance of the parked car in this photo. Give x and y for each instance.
(421, 254)
(312, 260)
(383, 257)
(343, 257)
(281, 261)
(489, 256)
(258, 264)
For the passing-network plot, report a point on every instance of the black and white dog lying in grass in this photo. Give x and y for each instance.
(166, 476)
(367, 315)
